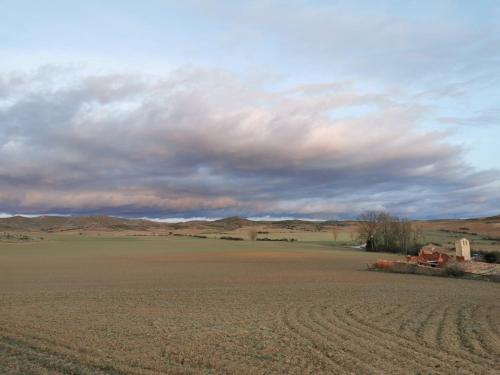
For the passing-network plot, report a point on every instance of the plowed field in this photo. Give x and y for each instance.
(192, 306)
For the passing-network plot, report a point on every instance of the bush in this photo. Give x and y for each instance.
(492, 238)
(414, 248)
(454, 270)
(276, 239)
(492, 257)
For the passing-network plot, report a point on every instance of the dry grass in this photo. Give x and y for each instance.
(187, 306)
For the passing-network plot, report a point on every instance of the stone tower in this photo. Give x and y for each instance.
(462, 248)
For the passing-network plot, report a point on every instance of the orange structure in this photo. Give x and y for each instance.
(384, 264)
(433, 258)
(426, 257)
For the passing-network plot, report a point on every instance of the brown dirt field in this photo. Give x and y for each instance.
(192, 306)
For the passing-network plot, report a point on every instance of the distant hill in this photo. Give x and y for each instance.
(68, 223)
(109, 223)
(232, 223)
(495, 218)
(489, 219)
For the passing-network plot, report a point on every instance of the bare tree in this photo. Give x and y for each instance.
(253, 234)
(418, 233)
(335, 234)
(367, 228)
(405, 235)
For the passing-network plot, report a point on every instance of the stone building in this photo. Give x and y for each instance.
(462, 248)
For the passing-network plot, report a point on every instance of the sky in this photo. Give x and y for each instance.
(262, 109)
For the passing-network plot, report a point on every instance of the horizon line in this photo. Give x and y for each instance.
(177, 220)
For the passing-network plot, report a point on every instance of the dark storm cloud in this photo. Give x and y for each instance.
(200, 142)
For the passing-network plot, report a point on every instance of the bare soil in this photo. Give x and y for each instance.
(169, 305)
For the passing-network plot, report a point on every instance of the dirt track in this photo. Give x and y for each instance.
(316, 311)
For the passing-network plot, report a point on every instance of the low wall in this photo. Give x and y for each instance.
(430, 271)
(404, 267)
(412, 268)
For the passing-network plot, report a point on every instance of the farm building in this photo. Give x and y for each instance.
(462, 248)
(432, 260)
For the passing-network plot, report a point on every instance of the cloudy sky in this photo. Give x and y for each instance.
(317, 109)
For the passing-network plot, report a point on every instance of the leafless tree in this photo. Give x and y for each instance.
(367, 228)
(253, 234)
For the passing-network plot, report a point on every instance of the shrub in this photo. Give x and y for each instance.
(454, 270)
(276, 239)
(492, 257)
(492, 238)
(231, 238)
